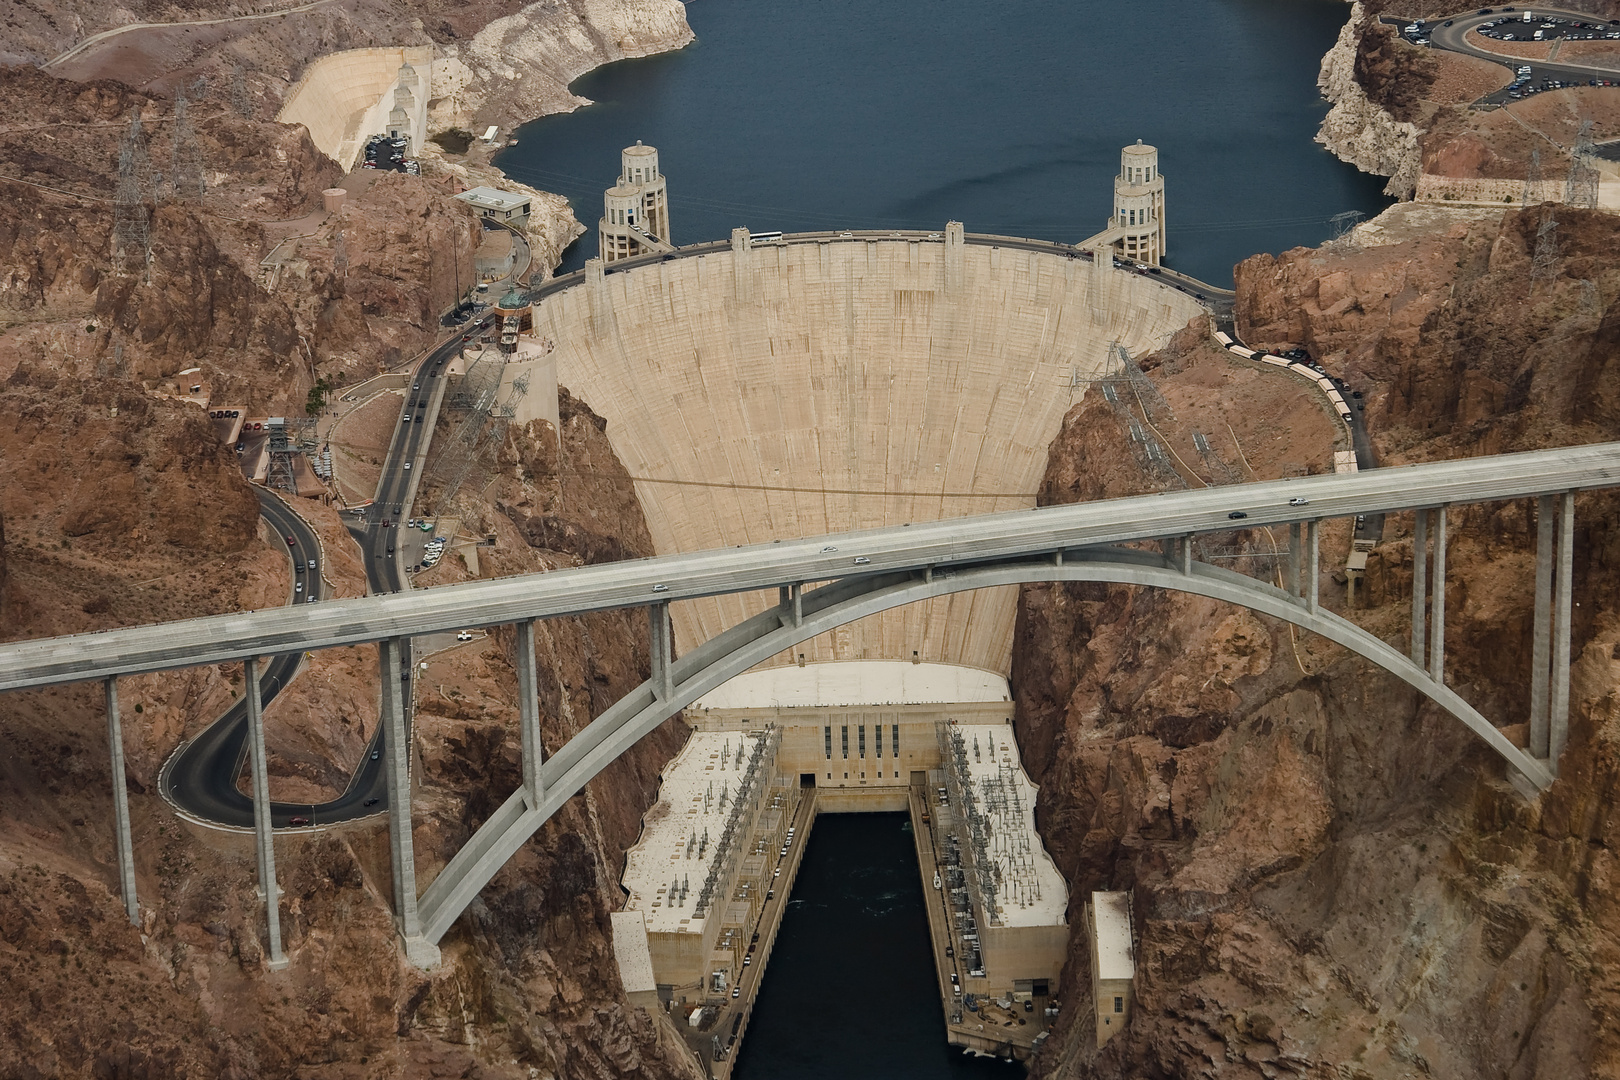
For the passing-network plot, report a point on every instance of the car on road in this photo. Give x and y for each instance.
(660, 588)
(828, 548)
(407, 466)
(311, 598)
(292, 541)
(418, 419)
(407, 419)
(747, 960)
(375, 754)
(298, 588)
(736, 991)
(861, 560)
(1237, 515)
(371, 801)
(312, 564)
(465, 635)
(1299, 500)
(298, 821)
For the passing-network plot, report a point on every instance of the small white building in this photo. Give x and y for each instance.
(497, 205)
(1113, 968)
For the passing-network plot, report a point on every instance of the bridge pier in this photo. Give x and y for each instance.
(1541, 628)
(1558, 721)
(402, 849)
(663, 674)
(1420, 583)
(1294, 559)
(263, 839)
(1437, 633)
(1313, 564)
(126, 848)
(529, 714)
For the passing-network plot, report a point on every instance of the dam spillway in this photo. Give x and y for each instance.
(791, 389)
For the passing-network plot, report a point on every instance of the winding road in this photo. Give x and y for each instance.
(1454, 38)
(96, 39)
(200, 778)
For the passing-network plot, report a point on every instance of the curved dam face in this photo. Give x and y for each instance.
(815, 387)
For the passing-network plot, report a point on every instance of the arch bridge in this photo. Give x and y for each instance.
(855, 575)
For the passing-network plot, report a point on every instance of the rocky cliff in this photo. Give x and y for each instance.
(122, 507)
(1329, 875)
(1361, 128)
(529, 986)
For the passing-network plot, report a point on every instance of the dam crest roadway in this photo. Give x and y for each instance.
(866, 573)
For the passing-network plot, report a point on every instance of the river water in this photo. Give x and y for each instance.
(1007, 116)
(851, 991)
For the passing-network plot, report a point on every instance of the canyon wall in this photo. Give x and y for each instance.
(1360, 128)
(121, 507)
(1328, 874)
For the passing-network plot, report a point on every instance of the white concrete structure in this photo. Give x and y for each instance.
(635, 210)
(805, 388)
(344, 98)
(1113, 965)
(1135, 230)
(497, 204)
(530, 362)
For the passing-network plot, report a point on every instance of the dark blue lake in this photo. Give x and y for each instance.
(1007, 116)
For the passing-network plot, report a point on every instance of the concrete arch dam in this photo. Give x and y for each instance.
(802, 389)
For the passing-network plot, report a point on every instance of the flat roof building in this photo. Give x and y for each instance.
(496, 204)
(1113, 968)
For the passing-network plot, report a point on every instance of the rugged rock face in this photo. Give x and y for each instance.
(529, 986)
(121, 507)
(522, 64)
(1359, 128)
(1328, 873)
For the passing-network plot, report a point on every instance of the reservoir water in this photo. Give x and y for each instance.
(851, 990)
(1009, 116)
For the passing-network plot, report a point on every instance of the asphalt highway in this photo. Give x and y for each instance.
(1454, 38)
(201, 777)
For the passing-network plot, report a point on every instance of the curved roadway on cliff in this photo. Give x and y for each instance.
(200, 778)
(1454, 38)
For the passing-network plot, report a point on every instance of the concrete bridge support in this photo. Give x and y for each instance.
(126, 848)
(1558, 721)
(1437, 627)
(529, 713)
(263, 841)
(420, 951)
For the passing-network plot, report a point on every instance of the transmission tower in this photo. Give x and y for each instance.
(1544, 265)
(1591, 299)
(240, 102)
(1532, 180)
(1581, 190)
(1344, 222)
(1220, 470)
(186, 179)
(132, 236)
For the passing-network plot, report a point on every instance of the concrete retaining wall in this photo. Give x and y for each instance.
(344, 97)
(812, 388)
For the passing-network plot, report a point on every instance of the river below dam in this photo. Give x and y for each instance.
(1009, 117)
(851, 990)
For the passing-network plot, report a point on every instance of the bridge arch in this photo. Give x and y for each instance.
(778, 629)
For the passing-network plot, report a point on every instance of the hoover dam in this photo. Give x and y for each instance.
(794, 389)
